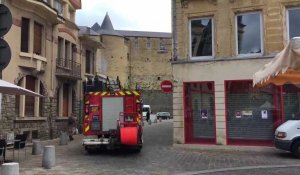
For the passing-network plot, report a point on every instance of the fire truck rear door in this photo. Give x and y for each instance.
(111, 108)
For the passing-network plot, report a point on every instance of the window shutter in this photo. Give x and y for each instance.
(38, 30)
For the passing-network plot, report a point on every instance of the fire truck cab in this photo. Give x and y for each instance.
(113, 118)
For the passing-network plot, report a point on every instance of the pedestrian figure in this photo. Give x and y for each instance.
(148, 116)
(71, 126)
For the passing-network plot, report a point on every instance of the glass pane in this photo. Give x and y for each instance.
(249, 38)
(294, 28)
(201, 37)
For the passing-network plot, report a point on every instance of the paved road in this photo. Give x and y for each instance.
(160, 157)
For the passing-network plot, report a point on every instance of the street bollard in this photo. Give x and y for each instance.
(36, 148)
(11, 168)
(149, 122)
(160, 119)
(48, 157)
(155, 121)
(64, 138)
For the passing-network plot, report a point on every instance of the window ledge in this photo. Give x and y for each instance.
(30, 118)
(61, 118)
(33, 55)
(233, 58)
(89, 75)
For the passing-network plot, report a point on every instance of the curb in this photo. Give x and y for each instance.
(238, 168)
(225, 148)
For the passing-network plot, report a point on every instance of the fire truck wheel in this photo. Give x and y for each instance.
(141, 139)
(89, 150)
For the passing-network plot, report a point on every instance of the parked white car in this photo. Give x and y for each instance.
(287, 137)
(163, 115)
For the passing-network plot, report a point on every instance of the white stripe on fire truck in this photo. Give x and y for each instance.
(128, 92)
(121, 92)
(103, 93)
(97, 93)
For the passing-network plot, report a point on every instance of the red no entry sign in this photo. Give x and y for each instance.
(166, 86)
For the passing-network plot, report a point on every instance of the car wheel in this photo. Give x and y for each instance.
(296, 149)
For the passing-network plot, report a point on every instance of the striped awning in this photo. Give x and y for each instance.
(283, 69)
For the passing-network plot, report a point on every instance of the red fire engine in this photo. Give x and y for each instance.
(113, 118)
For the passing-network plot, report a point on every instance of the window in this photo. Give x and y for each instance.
(293, 16)
(161, 44)
(148, 44)
(201, 37)
(38, 36)
(58, 6)
(25, 35)
(29, 100)
(89, 63)
(60, 48)
(136, 43)
(249, 33)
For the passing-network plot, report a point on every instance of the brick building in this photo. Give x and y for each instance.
(218, 46)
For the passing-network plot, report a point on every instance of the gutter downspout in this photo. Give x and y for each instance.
(174, 30)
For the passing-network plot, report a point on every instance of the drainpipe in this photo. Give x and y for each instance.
(174, 31)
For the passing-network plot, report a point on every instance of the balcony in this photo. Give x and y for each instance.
(67, 68)
(32, 61)
(41, 7)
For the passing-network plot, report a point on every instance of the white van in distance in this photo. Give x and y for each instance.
(146, 108)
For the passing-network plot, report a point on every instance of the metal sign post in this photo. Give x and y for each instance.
(5, 25)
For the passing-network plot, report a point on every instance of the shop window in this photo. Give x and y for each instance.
(249, 33)
(252, 114)
(201, 38)
(291, 102)
(293, 16)
(200, 112)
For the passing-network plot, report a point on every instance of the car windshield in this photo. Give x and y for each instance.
(145, 109)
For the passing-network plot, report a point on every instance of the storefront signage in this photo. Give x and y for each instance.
(203, 113)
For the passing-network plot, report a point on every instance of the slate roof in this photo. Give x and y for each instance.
(83, 30)
(107, 28)
(129, 33)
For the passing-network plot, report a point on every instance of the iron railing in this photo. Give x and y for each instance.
(68, 68)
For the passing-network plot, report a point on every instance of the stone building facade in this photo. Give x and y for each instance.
(218, 46)
(138, 58)
(54, 57)
(48, 57)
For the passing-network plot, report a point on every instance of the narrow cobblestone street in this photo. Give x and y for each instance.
(159, 156)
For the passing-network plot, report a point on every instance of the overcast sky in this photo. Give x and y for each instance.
(139, 15)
